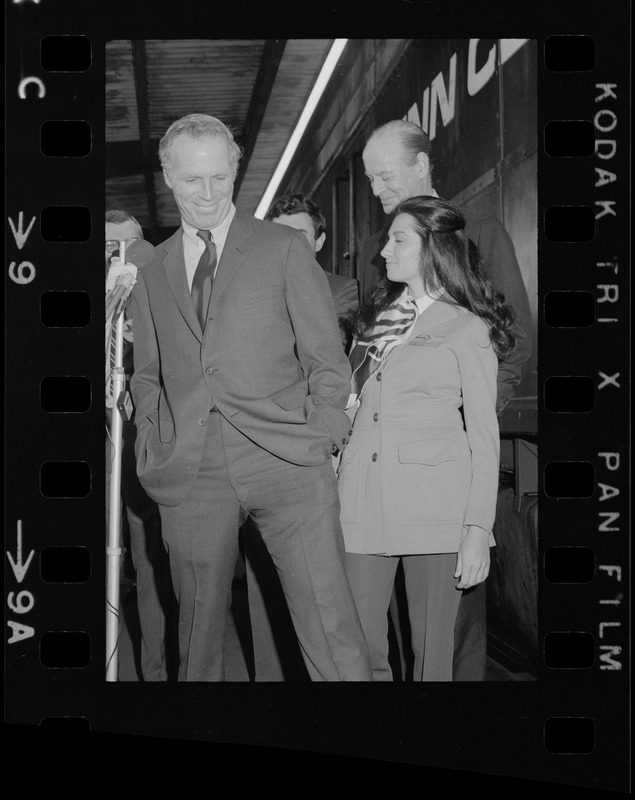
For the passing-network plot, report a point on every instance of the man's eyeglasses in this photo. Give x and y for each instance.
(113, 244)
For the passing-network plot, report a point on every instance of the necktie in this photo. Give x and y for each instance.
(203, 277)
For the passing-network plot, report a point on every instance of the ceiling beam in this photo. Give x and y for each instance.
(148, 148)
(269, 63)
(125, 158)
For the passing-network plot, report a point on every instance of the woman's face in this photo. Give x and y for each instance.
(403, 254)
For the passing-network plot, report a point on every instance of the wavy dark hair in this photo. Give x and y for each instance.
(449, 261)
(298, 204)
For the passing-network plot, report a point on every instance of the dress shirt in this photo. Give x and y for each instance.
(426, 300)
(423, 302)
(193, 245)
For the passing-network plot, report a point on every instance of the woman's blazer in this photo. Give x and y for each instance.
(422, 462)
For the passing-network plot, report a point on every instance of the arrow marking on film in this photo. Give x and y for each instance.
(20, 236)
(19, 568)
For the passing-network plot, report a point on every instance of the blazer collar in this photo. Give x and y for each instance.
(436, 313)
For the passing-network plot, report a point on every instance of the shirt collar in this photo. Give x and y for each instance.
(421, 303)
(219, 233)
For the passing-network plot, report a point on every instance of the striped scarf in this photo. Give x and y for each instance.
(391, 328)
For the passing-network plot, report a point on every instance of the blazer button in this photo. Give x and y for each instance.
(202, 422)
(376, 416)
(374, 457)
(379, 376)
(350, 433)
(343, 441)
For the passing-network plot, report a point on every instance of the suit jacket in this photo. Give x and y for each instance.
(500, 265)
(417, 469)
(270, 358)
(345, 293)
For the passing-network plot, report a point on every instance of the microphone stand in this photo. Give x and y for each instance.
(113, 545)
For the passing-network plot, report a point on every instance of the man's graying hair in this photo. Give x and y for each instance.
(197, 126)
(413, 138)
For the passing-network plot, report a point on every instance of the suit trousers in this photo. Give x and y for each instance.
(470, 635)
(433, 601)
(277, 656)
(276, 653)
(155, 597)
(296, 509)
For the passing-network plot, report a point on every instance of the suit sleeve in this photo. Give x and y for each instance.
(319, 347)
(478, 368)
(347, 299)
(145, 384)
(501, 265)
(372, 267)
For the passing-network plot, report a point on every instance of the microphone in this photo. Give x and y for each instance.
(122, 274)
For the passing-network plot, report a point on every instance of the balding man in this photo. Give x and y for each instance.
(397, 164)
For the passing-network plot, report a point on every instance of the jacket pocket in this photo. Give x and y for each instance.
(163, 426)
(424, 340)
(145, 429)
(431, 482)
(291, 397)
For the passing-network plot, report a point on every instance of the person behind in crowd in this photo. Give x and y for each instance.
(303, 214)
(397, 163)
(276, 654)
(419, 478)
(149, 558)
(240, 386)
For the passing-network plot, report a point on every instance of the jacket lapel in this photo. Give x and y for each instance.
(174, 266)
(436, 313)
(239, 242)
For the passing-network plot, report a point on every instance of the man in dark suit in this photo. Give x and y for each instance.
(240, 385)
(397, 163)
(149, 558)
(276, 656)
(302, 213)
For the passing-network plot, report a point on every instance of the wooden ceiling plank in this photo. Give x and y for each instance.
(148, 154)
(267, 72)
(257, 87)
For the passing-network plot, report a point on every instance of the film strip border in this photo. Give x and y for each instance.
(55, 559)
(584, 369)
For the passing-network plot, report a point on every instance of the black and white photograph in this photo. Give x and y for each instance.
(349, 405)
(328, 137)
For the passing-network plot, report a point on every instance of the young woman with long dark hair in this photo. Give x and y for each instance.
(419, 478)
